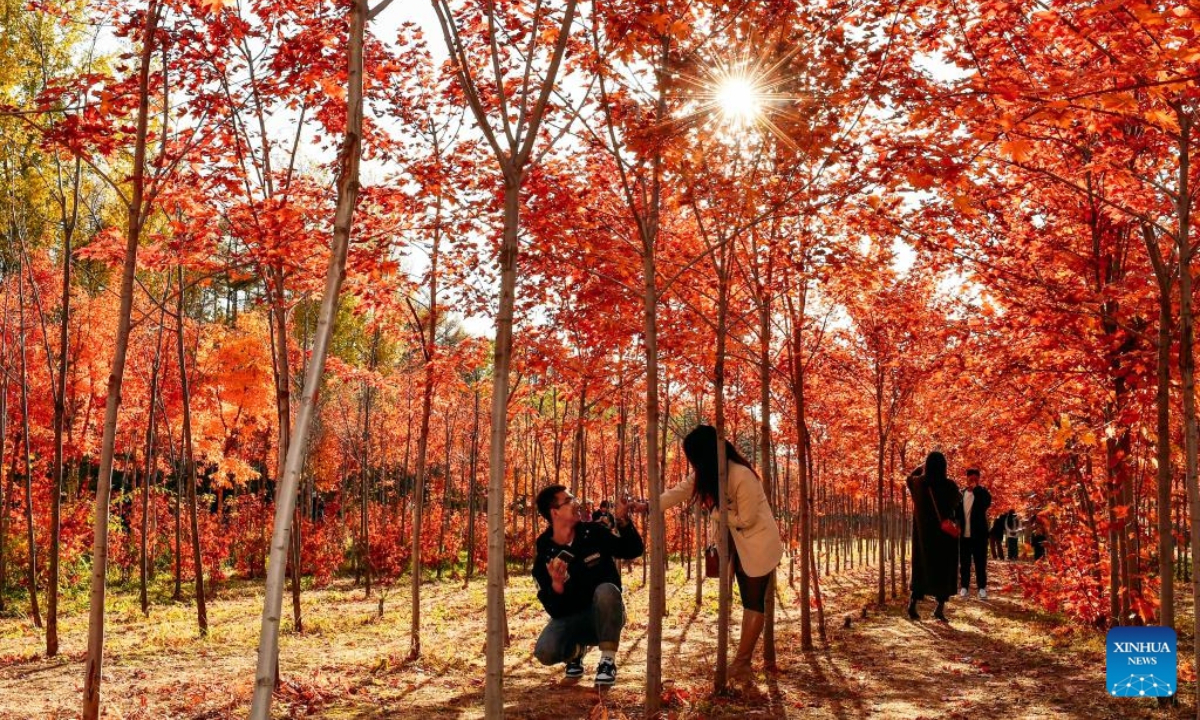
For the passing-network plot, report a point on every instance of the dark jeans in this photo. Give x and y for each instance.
(972, 549)
(997, 547)
(1012, 548)
(564, 638)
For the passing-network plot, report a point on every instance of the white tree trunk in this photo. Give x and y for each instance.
(347, 196)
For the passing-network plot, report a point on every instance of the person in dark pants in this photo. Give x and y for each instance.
(1037, 538)
(1012, 530)
(934, 551)
(973, 545)
(997, 537)
(579, 584)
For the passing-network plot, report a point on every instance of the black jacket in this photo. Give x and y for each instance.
(979, 508)
(998, 526)
(593, 548)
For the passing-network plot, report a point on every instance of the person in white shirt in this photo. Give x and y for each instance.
(973, 545)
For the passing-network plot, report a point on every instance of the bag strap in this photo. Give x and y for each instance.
(932, 499)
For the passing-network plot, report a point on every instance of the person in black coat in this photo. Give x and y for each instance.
(997, 538)
(579, 584)
(973, 546)
(934, 551)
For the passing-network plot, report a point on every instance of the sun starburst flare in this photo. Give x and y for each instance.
(739, 99)
(741, 94)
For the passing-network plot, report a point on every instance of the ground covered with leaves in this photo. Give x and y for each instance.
(996, 658)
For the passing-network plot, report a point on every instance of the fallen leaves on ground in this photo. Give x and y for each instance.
(997, 658)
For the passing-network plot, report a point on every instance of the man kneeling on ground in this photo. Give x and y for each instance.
(579, 584)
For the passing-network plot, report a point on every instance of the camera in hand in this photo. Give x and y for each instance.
(639, 505)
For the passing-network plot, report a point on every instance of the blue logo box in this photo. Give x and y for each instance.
(1141, 662)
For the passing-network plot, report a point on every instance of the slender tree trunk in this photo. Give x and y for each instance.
(904, 539)
(177, 595)
(189, 464)
(95, 654)
(447, 492)
(895, 533)
(429, 352)
(577, 449)
(817, 599)
(282, 373)
(365, 474)
(657, 524)
(347, 196)
(1114, 553)
(1181, 519)
(620, 464)
(725, 595)
(472, 491)
(407, 436)
(32, 544)
(513, 163)
(361, 549)
(557, 441)
(880, 449)
(767, 466)
(60, 411)
(1164, 279)
(796, 349)
(143, 555)
(5, 480)
(297, 573)
(1130, 563)
(1187, 363)
(1089, 508)
(494, 688)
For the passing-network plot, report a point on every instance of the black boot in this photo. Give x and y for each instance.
(912, 610)
(940, 613)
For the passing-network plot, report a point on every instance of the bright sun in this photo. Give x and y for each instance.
(739, 100)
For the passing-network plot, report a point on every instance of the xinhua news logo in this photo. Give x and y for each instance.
(1141, 662)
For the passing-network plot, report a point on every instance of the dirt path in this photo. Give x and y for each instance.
(996, 658)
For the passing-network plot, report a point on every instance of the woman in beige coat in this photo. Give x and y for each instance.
(751, 524)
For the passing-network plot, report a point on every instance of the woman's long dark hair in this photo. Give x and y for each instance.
(935, 468)
(700, 447)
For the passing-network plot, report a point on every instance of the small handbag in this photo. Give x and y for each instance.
(712, 562)
(948, 526)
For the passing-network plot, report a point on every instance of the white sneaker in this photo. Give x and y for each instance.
(963, 593)
(983, 593)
